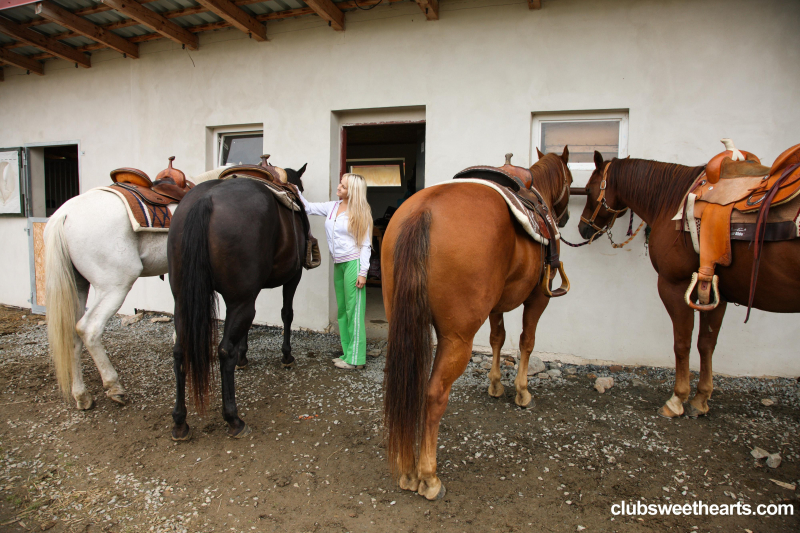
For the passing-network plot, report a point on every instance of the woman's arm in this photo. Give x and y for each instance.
(315, 208)
(366, 252)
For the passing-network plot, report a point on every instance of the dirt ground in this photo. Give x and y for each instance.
(315, 462)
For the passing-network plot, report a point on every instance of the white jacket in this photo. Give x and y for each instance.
(341, 243)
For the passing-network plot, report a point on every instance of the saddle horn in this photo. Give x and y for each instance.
(176, 175)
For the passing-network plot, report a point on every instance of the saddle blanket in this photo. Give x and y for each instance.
(143, 216)
(783, 222)
(284, 197)
(523, 215)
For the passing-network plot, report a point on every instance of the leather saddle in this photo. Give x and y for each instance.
(277, 182)
(519, 182)
(736, 181)
(169, 187)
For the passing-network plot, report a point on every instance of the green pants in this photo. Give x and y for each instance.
(351, 303)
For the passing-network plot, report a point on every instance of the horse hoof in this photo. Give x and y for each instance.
(496, 391)
(430, 493)
(182, 438)
(85, 402)
(523, 399)
(119, 398)
(666, 412)
(242, 367)
(407, 482)
(245, 431)
(287, 365)
(694, 412)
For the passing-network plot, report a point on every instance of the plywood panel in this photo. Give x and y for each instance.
(38, 260)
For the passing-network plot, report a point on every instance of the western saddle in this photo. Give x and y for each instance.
(518, 181)
(170, 186)
(735, 180)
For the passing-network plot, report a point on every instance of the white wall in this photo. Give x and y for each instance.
(688, 72)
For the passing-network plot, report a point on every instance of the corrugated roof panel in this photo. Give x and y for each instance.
(79, 41)
(106, 17)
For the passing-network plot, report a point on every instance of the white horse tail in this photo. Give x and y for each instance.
(61, 298)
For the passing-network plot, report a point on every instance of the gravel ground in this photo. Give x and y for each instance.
(315, 461)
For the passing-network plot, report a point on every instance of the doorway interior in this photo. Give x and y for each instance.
(391, 157)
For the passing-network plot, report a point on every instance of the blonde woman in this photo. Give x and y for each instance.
(348, 226)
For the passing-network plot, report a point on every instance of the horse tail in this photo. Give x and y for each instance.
(410, 343)
(196, 312)
(61, 297)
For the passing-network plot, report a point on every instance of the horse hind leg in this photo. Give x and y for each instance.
(91, 326)
(83, 398)
(534, 307)
(710, 324)
(237, 323)
(497, 338)
(450, 362)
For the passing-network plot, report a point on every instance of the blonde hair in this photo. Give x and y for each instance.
(359, 213)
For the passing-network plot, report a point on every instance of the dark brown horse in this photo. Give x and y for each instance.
(230, 237)
(453, 256)
(654, 191)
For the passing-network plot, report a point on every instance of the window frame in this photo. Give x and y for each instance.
(620, 116)
(235, 131)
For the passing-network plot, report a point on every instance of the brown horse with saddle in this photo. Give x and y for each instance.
(453, 255)
(734, 239)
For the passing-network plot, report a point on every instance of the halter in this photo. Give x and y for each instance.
(601, 201)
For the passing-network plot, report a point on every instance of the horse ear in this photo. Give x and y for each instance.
(302, 170)
(539, 153)
(565, 154)
(598, 160)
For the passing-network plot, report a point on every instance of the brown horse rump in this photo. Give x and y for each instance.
(531, 221)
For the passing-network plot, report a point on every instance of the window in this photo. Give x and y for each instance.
(237, 146)
(584, 133)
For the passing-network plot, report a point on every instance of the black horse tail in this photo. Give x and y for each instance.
(410, 344)
(196, 323)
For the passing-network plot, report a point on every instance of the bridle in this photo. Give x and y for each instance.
(561, 194)
(601, 201)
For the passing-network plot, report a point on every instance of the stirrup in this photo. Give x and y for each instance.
(703, 294)
(547, 282)
(313, 257)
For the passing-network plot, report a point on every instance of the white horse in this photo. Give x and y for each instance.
(89, 241)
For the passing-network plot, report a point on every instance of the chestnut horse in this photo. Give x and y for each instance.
(654, 191)
(453, 256)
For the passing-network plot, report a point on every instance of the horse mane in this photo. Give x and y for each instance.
(657, 188)
(547, 177)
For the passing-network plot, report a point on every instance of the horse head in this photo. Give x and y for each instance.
(602, 205)
(559, 167)
(294, 176)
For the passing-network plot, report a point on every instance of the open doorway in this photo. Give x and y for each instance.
(391, 157)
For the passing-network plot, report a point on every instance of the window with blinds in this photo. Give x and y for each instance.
(583, 133)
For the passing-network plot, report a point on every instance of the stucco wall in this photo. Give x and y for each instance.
(682, 68)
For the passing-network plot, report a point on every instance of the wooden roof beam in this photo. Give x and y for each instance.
(21, 61)
(1, 73)
(534, 4)
(430, 8)
(329, 12)
(47, 44)
(239, 18)
(153, 20)
(55, 13)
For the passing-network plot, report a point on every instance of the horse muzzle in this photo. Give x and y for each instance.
(564, 219)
